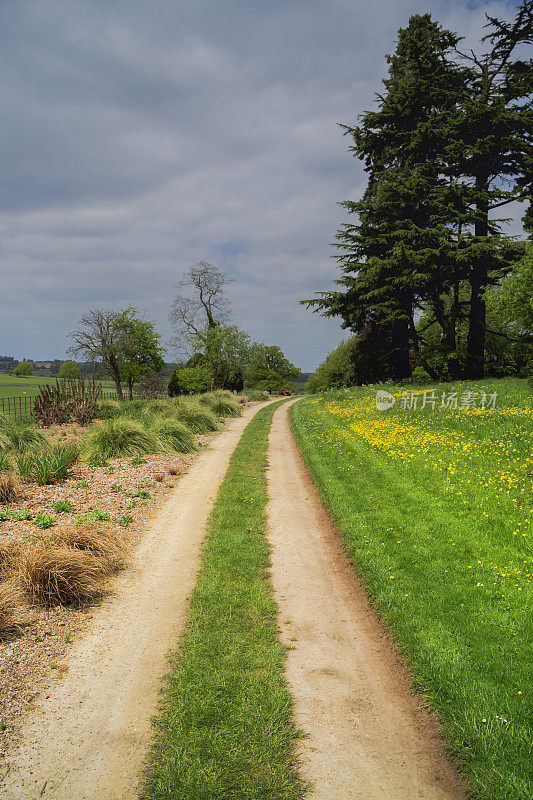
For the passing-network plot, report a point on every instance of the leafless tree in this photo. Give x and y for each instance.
(205, 306)
(97, 338)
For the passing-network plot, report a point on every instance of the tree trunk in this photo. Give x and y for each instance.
(130, 388)
(400, 362)
(115, 372)
(475, 344)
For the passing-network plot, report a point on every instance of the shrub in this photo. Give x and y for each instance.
(256, 395)
(9, 488)
(175, 436)
(62, 575)
(14, 610)
(22, 435)
(189, 379)
(66, 401)
(120, 436)
(224, 405)
(97, 539)
(48, 466)
(152, 385)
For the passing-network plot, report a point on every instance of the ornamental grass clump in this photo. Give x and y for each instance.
(60, 575)
(222, 404)
(20, 435)
(95, 538)
(14, 610)
(48, 465)
(132, 408)
(120, 436)
(156, 406)
(9, 557)
(196, 416)
(108, 409)
(10, 489)
(175, 436)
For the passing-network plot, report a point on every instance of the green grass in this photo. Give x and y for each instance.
(31, 385)
(434, 508)
(225, 729)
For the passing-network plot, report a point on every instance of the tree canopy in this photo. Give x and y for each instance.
(449, 143)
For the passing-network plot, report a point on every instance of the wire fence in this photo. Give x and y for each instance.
(22, 406)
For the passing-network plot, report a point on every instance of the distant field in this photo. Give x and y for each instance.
(434, 503)
(12, 386)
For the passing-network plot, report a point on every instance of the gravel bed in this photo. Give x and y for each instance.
(33, 658)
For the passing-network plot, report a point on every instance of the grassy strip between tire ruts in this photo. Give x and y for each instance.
(225, 727)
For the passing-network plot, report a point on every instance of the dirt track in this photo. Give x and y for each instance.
(88, 738)
(368, 737)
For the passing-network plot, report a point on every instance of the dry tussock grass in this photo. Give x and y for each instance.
(14, 609)
(9, 557)
(98, 540)
(10, 488)
(62, 575)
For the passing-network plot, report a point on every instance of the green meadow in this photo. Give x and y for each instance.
(434, 505)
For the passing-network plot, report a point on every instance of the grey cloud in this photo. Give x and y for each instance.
(140, 138)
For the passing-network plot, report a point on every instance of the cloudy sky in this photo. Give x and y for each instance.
(140, 137)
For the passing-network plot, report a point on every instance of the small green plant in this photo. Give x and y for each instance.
(142, 494)
(44, 521)
(23, 514)
(48, 466)
(92, 515)
(115, 487)
(5, 463)
(125, 520)
(137, 461)
(62, 506)
(4, 515)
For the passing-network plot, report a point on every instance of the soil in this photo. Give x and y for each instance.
(367, 736)
(87, 735)
(26, 656)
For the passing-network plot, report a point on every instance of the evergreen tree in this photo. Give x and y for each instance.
(403, 250)
(489, 153)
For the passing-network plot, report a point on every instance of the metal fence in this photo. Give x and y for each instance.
(23, 406)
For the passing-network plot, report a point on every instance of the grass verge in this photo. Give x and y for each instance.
(225, 728)
(432, 506)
